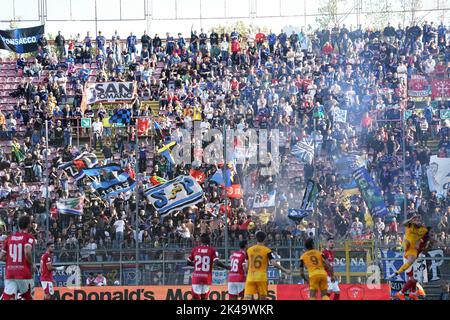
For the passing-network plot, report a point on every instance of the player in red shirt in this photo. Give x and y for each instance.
(203, 258)
(17, 252)
(47, 267)
(333, 284)
(236, 276)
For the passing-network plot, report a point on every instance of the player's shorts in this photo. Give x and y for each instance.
(19, 286)
(256, 287)
(236, 288)
(333, 286)
(411, 252)
(318, 282)
(200, 290)
(48, 287)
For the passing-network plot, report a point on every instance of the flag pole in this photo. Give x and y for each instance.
(46, 184)
(136, 169)
(226, 191)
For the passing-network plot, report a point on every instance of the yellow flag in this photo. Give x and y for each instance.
(106, 123)
(368, 219)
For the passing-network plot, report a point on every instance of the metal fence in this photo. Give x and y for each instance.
(355, 262)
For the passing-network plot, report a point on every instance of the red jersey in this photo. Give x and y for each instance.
(46, 275)
(237, 273)
(203, 258)
(16, 265)
(329, 256)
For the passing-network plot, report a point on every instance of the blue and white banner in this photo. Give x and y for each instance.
(424, 270)
(22, 40)
(370, 192)
(299, 214)
(97, 171)
(75, 167)
(346, 165)
(438, 174)
(304, 150)
(122, 183)
(182, 192)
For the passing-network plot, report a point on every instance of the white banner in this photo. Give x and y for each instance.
(176, 194)
(340, 115)
(439, 175)
(264, 200)
(112, 92)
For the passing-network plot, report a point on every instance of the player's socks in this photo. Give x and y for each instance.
(404, 267)
(337, 296)
(312, 298)
(400, 295)
(408, 286)
(325, 297)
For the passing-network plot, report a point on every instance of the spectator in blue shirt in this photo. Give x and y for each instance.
(272, 39)
(131, 44)
(101, 41)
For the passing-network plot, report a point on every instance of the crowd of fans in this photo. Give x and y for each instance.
(291, 82)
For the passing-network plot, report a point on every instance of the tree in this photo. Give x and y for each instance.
(379, 14)
(329, 13)
(410, 16)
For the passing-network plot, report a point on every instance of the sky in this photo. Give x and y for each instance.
(180, 15)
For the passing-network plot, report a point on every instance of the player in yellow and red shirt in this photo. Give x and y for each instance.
(317, 266)
(415, 231)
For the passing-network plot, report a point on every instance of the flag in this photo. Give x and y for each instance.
(217, 177)
(229, 178)
(84, 99)
(121, 183)
(264, 200)
(121, 116)
(311, 191)
(179, 193)
(75, 167)
(143, 125)
(235, 191)
(197, 175)
(304, 150)
(155, 180)
(70, 206)
(158, 130)
(17, 152)
(97, 171)
(165, 151)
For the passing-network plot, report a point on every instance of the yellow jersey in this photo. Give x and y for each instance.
(313, 261)
(258, 260)
(414, 233)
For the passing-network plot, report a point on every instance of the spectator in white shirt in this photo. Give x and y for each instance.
(97, 129)
(379, 227)
(119, 225)
(356, 228)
